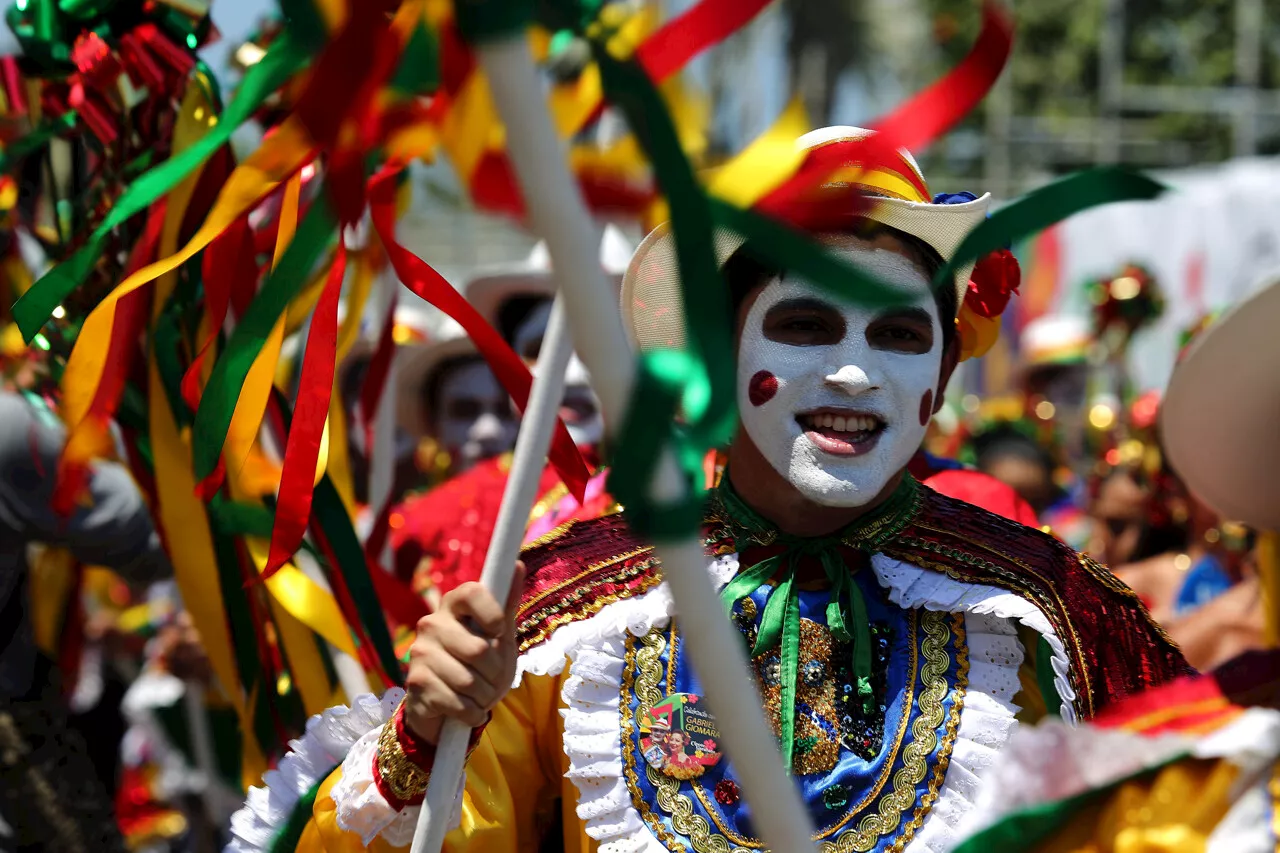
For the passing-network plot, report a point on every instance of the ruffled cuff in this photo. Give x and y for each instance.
(384, 778)
(329, 738)
(403, 762)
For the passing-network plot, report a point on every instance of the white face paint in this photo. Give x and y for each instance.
(580, 409)
(850, 385)
(475, 420)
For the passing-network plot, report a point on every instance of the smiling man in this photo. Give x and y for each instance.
(897, 636)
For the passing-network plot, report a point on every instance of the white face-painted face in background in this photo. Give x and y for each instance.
(836, 396)
(475, 420)
(580, 409)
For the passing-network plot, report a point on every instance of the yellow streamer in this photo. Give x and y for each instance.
(190, 545)
(52, 579)
(357, 300)
(472, 127)
(304, 599)
(1269, 577)
(256, 391)
(339, 463)
(766, 163)
(280, 154)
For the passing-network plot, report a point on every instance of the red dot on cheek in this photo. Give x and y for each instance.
(926, 407)
(761, 388)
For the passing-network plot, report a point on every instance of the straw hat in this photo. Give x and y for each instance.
(533, 276)
(651, 304)
(1220, 414)
(425, 340)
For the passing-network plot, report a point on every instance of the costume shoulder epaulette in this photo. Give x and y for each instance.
(577, 569)
(1114, 646)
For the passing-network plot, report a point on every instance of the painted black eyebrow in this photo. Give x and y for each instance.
(910, 312)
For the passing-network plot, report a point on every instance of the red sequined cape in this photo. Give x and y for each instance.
(1114, 647)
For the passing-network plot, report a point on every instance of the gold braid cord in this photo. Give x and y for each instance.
(404, 779)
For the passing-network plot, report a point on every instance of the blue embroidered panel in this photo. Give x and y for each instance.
(867, 780)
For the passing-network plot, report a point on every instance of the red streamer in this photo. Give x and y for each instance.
(228, 260)
(376, 375)
(302, 450)
(938, 108)
(418, 276)
(684, 37)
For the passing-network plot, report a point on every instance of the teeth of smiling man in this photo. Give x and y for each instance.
(855, 423)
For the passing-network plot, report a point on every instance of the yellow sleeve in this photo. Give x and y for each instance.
(1030, 698)
(513, 780)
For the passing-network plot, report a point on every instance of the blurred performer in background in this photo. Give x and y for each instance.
(50, 795)
(440, 537)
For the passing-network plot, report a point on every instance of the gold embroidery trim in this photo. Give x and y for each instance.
(644, 672)
(523, 609)
(564, 611)
(550, 536)
(402, 777)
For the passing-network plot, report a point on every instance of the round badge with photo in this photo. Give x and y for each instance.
(678, 738)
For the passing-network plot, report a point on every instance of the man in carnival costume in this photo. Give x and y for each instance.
(897, 636)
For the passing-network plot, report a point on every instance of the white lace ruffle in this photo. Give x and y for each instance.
(637, 615)
(592, 735)
(593, 742)
(987, 719)
(330, 737)
(911, 586)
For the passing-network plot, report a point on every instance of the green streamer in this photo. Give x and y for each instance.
(331, 515)
(788, 249)
(1047, 206)
(780, 619)
(489, 20)
(218, 402)
(1023, 830)
(291, 833)
(285, 57)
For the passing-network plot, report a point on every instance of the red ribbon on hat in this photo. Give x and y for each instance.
(994, 280)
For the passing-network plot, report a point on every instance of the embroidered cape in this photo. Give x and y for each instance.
(1114, 646)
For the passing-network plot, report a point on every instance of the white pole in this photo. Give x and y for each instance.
(558, 213)
(382, 456)
(500, 560)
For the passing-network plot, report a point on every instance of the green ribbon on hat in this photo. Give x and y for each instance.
(846, 611)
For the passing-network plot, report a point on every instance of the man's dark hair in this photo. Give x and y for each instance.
(746, 270)
(1005, 441)
(514, 310)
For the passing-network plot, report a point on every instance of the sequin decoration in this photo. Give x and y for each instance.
(835, 797)
(727, 792)
(817, 745)
(861, 733)
(814, 673)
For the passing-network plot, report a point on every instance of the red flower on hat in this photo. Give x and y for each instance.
(994, 280)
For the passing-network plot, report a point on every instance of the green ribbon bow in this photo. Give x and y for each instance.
(846, 611)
